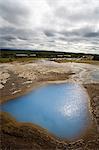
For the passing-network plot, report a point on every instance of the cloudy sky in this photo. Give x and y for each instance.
(63, 25)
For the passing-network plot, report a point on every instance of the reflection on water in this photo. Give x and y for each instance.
(61, 108)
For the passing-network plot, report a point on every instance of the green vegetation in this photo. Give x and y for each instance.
(26, 59)
(7, 55)
(5, 60)
(38, 54)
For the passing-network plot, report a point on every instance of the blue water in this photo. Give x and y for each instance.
(60, 108)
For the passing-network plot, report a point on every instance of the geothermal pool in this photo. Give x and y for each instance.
(60, 108)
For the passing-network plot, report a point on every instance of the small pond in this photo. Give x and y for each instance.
(60, 108)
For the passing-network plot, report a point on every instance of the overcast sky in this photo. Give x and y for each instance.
(63, 25)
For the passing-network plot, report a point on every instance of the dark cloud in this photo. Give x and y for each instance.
(77, 14)
(50, 24)
(92, 34)
(13, 12)
(8, 37)
(49, 33)
(87, 32)
(7, 30)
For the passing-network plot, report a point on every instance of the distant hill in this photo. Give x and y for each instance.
(13, 53)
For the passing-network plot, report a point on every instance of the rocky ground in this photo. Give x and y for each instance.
(19, 78)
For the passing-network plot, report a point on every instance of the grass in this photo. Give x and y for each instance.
(6, 60)
(28, 59)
